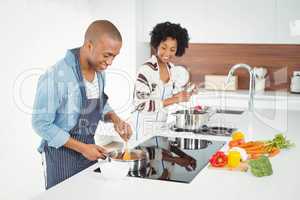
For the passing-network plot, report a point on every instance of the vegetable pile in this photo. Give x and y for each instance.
(256, 153)
(270, 148)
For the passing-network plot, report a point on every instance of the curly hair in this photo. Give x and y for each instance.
(167, 29)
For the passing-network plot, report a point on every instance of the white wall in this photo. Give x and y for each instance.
(288, 18)
(121, 74)
(142, 47)
(227, 21)
(34, 35)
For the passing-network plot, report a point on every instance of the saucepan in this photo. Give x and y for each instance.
(191, 119)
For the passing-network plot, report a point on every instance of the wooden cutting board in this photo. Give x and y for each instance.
(243, 167)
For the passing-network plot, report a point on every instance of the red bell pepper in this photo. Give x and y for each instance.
(219, 159)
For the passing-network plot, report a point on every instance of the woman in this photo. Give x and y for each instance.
(154, 90)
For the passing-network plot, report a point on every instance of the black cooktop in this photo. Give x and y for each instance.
(185, 165)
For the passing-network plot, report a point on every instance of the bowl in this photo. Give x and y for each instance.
(114, 170)
(115, 167)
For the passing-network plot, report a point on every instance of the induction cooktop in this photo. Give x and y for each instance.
(186, 163)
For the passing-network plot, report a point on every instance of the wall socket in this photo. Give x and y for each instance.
(296, 73)
(295, 28)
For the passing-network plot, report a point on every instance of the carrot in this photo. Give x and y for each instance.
(256, 150)
(274, 152)
(247, 145)
(255, 156)
(259, 151)
(251, 144)
(236, 143)
(253, 148)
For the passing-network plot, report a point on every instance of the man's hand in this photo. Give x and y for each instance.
(123, 129)
(93, 152)
(89, 151)
(193, 162)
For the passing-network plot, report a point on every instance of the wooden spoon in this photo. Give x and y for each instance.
(126, 155)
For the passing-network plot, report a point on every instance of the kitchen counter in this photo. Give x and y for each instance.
(244, 94)
(208, 184)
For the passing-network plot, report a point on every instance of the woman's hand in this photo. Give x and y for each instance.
(183, 96)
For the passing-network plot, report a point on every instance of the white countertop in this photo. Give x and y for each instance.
(208, 184)
(239, 98)
(281, 94)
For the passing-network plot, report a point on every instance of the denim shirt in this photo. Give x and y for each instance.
(58, 102)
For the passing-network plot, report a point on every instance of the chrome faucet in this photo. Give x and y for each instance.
(251, 83)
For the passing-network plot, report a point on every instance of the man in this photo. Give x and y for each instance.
(70, 101)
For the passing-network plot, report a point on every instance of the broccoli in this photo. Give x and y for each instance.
(261, 166)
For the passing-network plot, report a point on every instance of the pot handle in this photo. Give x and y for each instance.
(210, 114)
(108, 157)
(100, 161)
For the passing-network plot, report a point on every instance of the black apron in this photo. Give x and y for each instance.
(63, 162)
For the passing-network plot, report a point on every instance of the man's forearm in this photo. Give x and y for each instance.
(75, 145)
(177, 151)
(112, 117)
(167, 156)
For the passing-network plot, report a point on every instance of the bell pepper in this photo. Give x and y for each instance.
(219, 159)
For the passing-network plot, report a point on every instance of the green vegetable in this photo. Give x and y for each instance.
(279, 142)
(261, 166)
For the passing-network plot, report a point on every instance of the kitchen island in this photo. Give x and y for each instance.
(209, 183)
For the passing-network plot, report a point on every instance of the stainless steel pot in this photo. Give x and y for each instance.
(191, 119)
(138, 162)
(143, 172)
(190, 143)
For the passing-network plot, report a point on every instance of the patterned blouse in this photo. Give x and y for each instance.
(150, 91)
